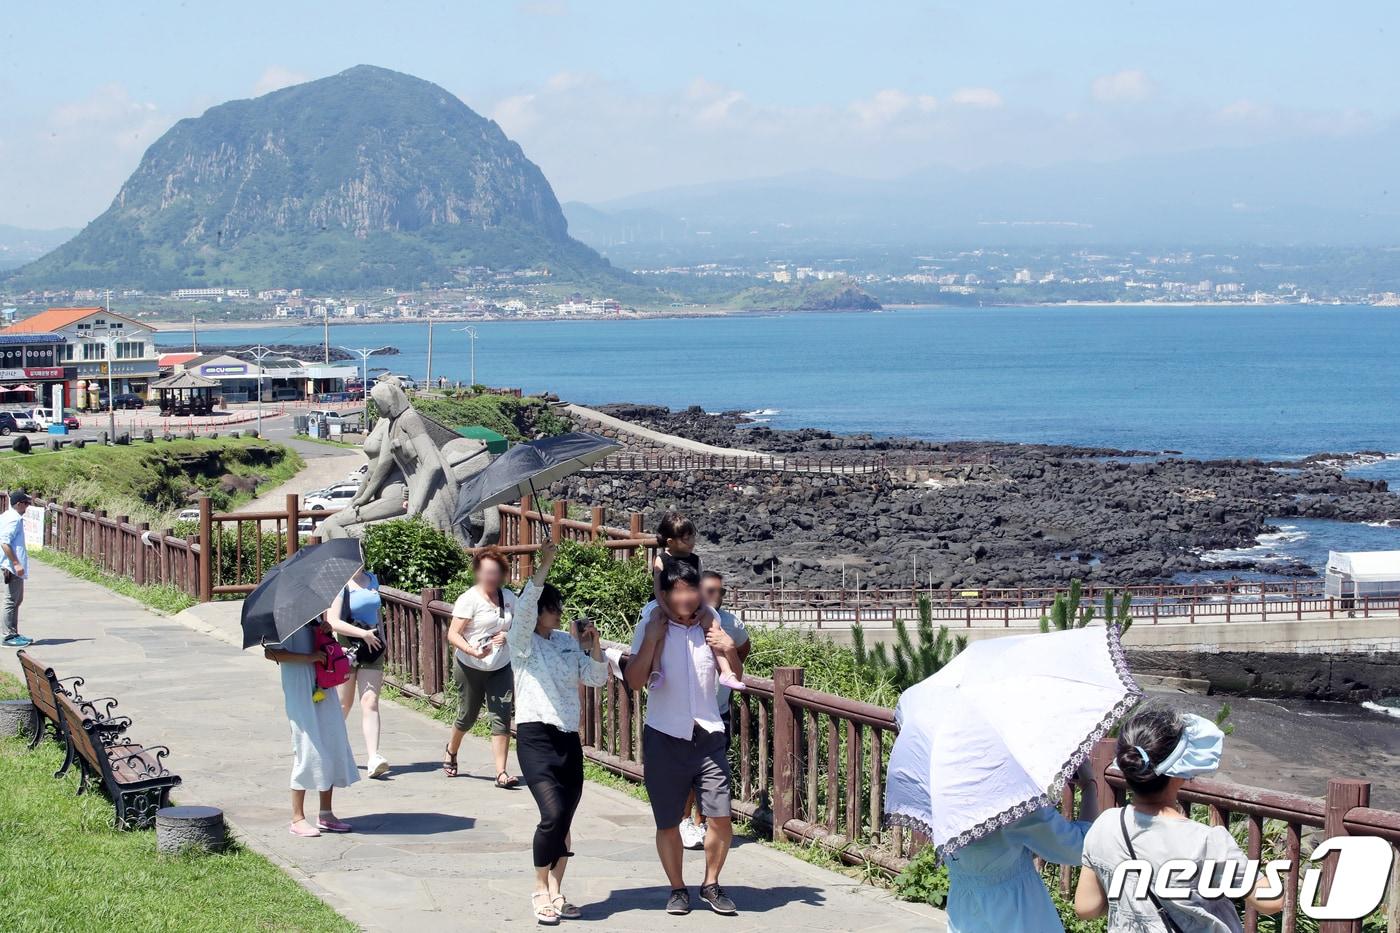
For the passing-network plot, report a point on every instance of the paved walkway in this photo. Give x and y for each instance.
(669, 440)
(430, 853)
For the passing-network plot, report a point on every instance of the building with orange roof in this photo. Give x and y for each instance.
(84, 350)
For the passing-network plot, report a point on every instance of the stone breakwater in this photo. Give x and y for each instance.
(1030, 515)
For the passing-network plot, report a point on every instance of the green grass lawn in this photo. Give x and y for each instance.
(64, 868)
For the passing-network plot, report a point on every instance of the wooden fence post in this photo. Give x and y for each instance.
(1342, 795)
(293, 517)
(527, 536)
(120, 531)
(597, 521)
(206, 550)
(1100, 757)
(141, 554)
(556, 526)
(429, 651)
(785, 744)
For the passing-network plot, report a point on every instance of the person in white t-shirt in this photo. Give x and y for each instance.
(1159, 750)
(481, 669)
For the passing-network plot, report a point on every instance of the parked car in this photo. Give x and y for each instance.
(357, 475)
(71, 422)
(326, 413)
(334, 498)
(29, 420)
(188, 515)
(124, 401)
(8, 424)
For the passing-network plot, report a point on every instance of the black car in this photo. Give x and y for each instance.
(8, 424)
(125, 400)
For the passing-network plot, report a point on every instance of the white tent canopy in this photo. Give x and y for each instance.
(1366, 566)
(1363, 573)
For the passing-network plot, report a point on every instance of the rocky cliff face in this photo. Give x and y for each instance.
(369, 176)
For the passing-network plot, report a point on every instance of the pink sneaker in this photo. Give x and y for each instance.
(331, 825)
(303, 829)
(730, 681)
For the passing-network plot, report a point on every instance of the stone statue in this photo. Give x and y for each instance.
(416, 467)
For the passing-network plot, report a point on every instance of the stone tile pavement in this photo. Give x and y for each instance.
(428, 853)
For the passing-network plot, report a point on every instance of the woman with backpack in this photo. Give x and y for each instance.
(312, 666)
(355, 616)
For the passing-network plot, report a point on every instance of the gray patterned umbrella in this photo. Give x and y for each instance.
(298, 590)
(518, 472)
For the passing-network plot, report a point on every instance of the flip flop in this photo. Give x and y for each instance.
(507, 785)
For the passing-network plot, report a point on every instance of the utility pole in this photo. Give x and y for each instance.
(471, 333)
(325, 335)
(194, 333)
(258, 353)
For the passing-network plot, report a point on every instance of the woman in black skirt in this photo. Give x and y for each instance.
(549, 664)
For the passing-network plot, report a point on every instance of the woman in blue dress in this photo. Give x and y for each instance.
(993, 886)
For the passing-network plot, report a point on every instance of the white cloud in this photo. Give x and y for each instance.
(276, 77)
(1126, 86)
(890, 104)
(983, 97)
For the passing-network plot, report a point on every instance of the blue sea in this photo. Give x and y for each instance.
(1271, 381)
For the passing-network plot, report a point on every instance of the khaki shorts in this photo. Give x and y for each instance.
(676, 766)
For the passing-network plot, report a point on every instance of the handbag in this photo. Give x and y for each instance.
(1162, 914)
(337, 671)
(359, 651)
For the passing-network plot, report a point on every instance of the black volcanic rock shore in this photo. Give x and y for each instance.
(1028, 515)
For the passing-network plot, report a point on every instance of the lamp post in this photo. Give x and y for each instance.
(471, 333)
(258, 353)
(109, 352)
(364, 353)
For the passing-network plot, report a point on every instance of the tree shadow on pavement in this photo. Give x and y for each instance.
(408, 824)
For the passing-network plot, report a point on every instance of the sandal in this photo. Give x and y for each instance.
(564, 909)
(449, 762)
(511, 784)
(545, 916)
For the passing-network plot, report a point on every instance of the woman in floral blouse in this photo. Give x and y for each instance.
(549, 664)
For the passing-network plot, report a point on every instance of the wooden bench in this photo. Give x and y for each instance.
(132, 775)
(44, 690)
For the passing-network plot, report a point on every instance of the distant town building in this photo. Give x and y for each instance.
(78, 349)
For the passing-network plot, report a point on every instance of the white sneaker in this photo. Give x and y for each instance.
(378, 767)
(692, 836)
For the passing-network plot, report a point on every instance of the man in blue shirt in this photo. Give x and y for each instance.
(14, 568)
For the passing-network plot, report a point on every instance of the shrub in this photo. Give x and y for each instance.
(594, 583)
(911, 664)
(409, 554)
(923, 880)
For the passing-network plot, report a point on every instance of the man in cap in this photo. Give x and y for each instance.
(14, 568)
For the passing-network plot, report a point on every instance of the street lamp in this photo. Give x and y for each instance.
(364, 353)
(258, 353)
(109, 350)
(471, 332)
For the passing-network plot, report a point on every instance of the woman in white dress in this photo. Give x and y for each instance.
(321, 755)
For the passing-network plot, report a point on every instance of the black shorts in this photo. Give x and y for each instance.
(675, 767)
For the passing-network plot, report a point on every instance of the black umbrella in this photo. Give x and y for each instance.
(516, 473)
(298, 590)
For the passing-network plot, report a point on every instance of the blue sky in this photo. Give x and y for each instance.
(612, 98)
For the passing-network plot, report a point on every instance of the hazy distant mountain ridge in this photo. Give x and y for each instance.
(366, 177)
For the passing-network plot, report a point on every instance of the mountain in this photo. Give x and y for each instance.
(368, 177)
(1338, 191)
(19, 246)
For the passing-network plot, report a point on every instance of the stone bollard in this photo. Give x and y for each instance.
(53, 443)
(20, 444)
(182, 828)
(16, 717)
(252, 432)
(80, 443)
(124, 438)
(168, 436)
(213, 435)
(103, 439)
(189, 435)
(149, 436)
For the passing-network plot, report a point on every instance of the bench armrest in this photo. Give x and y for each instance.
(90, 706)
(146, 767)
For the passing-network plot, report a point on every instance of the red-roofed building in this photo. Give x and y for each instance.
(85, 350)
(175, 362)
